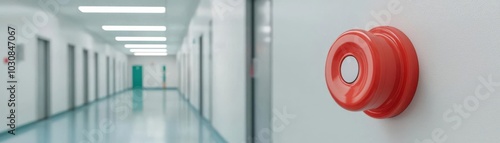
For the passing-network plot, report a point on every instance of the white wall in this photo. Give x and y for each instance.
(229, 88)
(190, 56)
(152, 70)
(228, 98)
(60, 32)
(456, 43)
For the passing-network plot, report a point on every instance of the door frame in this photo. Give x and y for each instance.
(200, 60)
(113, 76)
(260, 65)
(43, 55)
(86, 76)
(71, 76)
(96, 72)
(107, 77)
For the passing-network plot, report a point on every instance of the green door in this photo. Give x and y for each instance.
(137, 76)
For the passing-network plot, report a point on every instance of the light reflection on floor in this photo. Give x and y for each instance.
(134, 116)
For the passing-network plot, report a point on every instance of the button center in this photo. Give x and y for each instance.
(349, 69)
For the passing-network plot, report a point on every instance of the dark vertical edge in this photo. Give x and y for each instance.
(249, 68)
(201, 74)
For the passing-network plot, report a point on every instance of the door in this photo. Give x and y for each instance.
(200, 101)
(113, 76)
(107, 77)
(208, 70)
(125, 73)
(85, 76)
(137, 77)
(71, 77)
(43, 62)
(188, 78)
(164, 75)
(96, 75)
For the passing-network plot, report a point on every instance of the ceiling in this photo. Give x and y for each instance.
(176, 18)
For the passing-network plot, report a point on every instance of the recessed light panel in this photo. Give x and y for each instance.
(120, 9)
(149, 50)
(150, 54)
(145, 46)
(140, 38)
(133, 28)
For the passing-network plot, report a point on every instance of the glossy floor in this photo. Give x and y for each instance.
(134, 116)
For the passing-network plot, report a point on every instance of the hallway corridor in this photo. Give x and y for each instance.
(132, 116)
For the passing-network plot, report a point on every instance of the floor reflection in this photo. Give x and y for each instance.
(135, 116)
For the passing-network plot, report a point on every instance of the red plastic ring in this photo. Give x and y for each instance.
(388, 71)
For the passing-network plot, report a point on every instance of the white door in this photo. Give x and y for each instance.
(43, 100)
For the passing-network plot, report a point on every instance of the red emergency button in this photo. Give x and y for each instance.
(387, 71)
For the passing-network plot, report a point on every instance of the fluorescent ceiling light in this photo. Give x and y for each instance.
(145, 46)
(150, 54)
(149, 50)
(133, 28)
(140, 38)
(120, 9)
